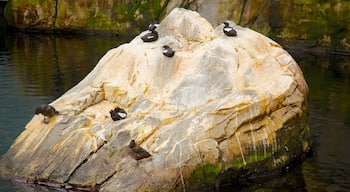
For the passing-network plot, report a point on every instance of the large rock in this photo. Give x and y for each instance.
(221, 108)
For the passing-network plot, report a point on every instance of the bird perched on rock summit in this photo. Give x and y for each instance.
(47, 110)
(137, 152)
(118, 114)
(229, 31)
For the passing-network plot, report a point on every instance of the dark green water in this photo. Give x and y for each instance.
(37, 69)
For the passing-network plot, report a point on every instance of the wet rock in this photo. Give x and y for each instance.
(220, 105)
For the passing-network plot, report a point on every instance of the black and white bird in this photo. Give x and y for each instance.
(152, 35)
(118, 114)
(168, 51)
(137, 152)
(47, 110)
(153, 26)
(229, 31)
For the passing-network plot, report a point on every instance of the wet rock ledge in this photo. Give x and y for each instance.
(222, 108)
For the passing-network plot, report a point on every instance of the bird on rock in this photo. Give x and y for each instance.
(152, 35)
(153, 26)
(168, 51)
(229, 31)
(47, 110)
(137, 152)
(118, 114)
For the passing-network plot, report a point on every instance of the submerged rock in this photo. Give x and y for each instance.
(220, 108)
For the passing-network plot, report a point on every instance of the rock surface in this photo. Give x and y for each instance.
(221, 108)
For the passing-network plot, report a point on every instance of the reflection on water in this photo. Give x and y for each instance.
(329, 119)
(37, 69)
(48, 65)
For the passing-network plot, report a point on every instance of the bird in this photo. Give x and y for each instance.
(137, 152)
(118, 114)
(229, 31)
(168, 51)
(47, 110)
(153, 26)
(150, 37)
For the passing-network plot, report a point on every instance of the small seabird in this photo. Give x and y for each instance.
(118, 114)
(150, 37)
(153, 26)
(168, 51)
(137, 152)
(47, 110)
(229, 31)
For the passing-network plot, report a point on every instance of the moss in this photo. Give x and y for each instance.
(258, 156)
(293, 143)
(259, 163)
(252, 158)
(238, 163)
(211, 172)
(205, 174)
(255, 165)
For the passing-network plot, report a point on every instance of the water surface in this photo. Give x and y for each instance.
(37, 69)
(329, 119)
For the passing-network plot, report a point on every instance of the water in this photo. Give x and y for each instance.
(37, 69)
(329, 118)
